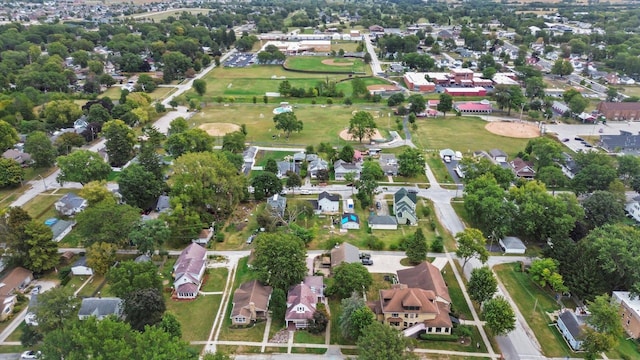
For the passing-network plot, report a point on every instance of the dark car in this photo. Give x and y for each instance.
(367, 261)
(565, 139)
(578, 138)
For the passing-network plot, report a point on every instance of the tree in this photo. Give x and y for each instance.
(12, 228)
(543, 152)
(67, 141)
(191, 140)
(234, 141)
(271, 166)
(8, 136)
(138, 187)
(200, 86)
(56, 308)
(417, 103)
(120, 142)
(471, 243)
(416, 247)
(578, 103)
(278, 303)
(354, 317)
(178, 125)
(445, 104)
(150, 235)
(482, 284)
(266, 184)
(96, 191)
(130, 276)
(367, 184)
(358, 87)
(593, 177)
(349, 278)
(170, 324)
(41, 149)
(410, 163)
(612, 94)
(552, 176)
(380, 341)
(606, 327)
(82, 166)
(499, 316)
(100, 257)
(595, 342)
(287, 122)
(175, 65)
(362, 125)
(30, 336)
(395, 99)
(319, 321)
(367, 58)
(602, 207)
(144, 307)
(346, 153)
(293, 180)
(562, 67)
(61, 113)
(545, 272)
(107, 222)
(628, 167)
(11, 173)
(286, 253)
(43, 251)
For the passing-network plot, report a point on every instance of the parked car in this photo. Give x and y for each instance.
(378, 205)
(31, 354)
(36, 290)
(250, 239)
(367, 261)
(578, 138)
(565, 139)
(364, 256)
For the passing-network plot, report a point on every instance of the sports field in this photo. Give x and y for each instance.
(327, 64)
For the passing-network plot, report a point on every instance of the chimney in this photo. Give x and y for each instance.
(252, 310)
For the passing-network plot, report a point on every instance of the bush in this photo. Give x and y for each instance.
(437, 245)
(373, 243)
(219, 237)
(435, 337)
(329, 101)
(433, 225)
(426, 211)
(393, 247)
(463, 331)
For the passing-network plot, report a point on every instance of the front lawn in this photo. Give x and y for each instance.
(438, 168)
(215, 280)
(195, 316)
(305, 337)
(458, 303)
(91, 287)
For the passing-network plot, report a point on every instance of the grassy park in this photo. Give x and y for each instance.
(322, 65)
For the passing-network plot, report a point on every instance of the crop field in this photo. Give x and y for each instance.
(324, 64)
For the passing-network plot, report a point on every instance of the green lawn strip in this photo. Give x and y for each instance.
(438, 168)
(10, 349)
(469, 346)
(215, 280)
(534, 303)
(442, 133)
(626, 349)
(72, 239)
(373, 294)
(263, 156)
(76, 281)
(458, 206)
(347, 46)
(305, 337)
(93, 284)
(196, 316)
(319, 64)
(349, 351)
(301, 350)
(276, 325)
(458, 302)
(15, 335)
(335, 336)
(41, 207)
(241, 349)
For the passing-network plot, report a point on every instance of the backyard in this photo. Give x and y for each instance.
(196, 316)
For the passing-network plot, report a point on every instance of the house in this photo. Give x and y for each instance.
(404, 206)
(316, 165)
(633, 209)
(59, 228)
(142, 258)
(328, 203)
(426, 276)
(162, 205)
(568, 166)
(571, 325)
(350, 221)
(204, 237)
(512, 245)
(382, 222)
(188, 271)
(627, 143)
(100, 308)
(284, 167)
(277, 203)
(389, 164)
(15, 281)
(70, 204)
(560, 108)
(405, 308)
(629, 312)
(619, 110)
(17, 155)
(302, 301)
(342, 168)
(344, 253)
(523, 169)
(498, 156)
(80, 267)
(250, 303)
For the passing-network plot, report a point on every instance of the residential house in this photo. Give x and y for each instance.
(204, 237)
(250, 303)
(277, 203)
(350, 221)
(17, 155)
(342, 168)
(620, 110)
(328, 203)
(70, 204)
(162, 205)
(568, 166)
(317, 165)
(498, 156)
(15, 281)
(100, 308)
(629, 312)
(626, 142)
(633, 209)
(389, 164)
(284, 167)
(560, 108)
(382, 222)
(188, 271)
(426, 276)
(302, 301)
(571, 326)
(512, 245)
(344, 253)
(404, 206)
(142, 258)
(523, 169)
(59, 228)
(80, 267)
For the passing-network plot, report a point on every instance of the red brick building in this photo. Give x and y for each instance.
(620, 110)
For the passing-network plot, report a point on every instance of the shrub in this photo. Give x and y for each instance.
(329, 101)
(393, 247)
(373, 243)
(437, 245)
(426, 211)
(219, 237)
(433, 224)
(435, 337)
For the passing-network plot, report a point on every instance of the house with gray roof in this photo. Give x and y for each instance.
(498, 156)
(20, 157)
(382, 222)
(60, 228)
(342, 168)
(512, 245)
(284, 167)
(404, 206)
(250, 303)
(70, 204)
(626, 142)
(316, 165)
(100, 308)
(188, 271)
(571, 326)
(328, 203)
(162, 205)
(350, 221)
(346, 253)
(80, 267)
(389, 164)
(277, 203)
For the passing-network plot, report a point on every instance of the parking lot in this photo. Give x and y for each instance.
(240, 60)
(571, 131)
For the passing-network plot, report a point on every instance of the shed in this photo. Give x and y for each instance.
(447, 153)
(512, 245)
(80, 267)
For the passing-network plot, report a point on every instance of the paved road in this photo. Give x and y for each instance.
(375, 63)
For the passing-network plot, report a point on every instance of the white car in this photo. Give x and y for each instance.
(30, 354)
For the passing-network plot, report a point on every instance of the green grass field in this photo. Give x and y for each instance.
(326, 64)
(465, 134)
(196, 316)
(216, 280)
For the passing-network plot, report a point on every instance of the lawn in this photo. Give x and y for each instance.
(458, 303)
(91, 287)
(263, 156)
(215, 280)
(438, 168)
(347, 46)
(465, 134)
(534, 304)
(305, 337)
(336, 336)
(317, 351)
(196, 316)
(321, 64)
(627, 349)
(458, 206)
(42, 206)
(159, 93)
(456, 346)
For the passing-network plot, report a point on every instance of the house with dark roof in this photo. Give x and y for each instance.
(80, 267)
(18, 156)
(426, 276)
(250, 303)
(404, 206)
(350, 221)
(328, 203)
(522, 169)
(188, 271)
(620, 110)
(498, 156)
(626, 142)
(344, 253)
(317, 165)
(162, 205)
(100, 308)
(342, 168)
(382, 222)
(12, 283)
(284, 167)
(142, 258)
(302, 301)
(70, 204)
(571, 326)
(389, 164)
(60, 228)
(277, 204)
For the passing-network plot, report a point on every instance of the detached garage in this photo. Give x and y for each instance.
(512, 245)
(382, 222)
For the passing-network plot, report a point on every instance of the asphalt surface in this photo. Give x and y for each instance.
(570, 131)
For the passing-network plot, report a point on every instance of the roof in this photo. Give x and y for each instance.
(142, 258)
(632, 303)
(71, 200)
(400, 297)
(417, 78)
(447, 152)
(573, 323)
(618, 106)
(344, 252)
(82, 261)
(344, 166)
(13, 279)
(191, 260)
(624, 141)
(511, 242)
(404, 192)
(349, 217)
(250, 292)
(382, 220)
(100, 307)
(300, 294)
(425, 276)
(473, 106)
(277, 202)
(60, 226)
(496, 153)
(330, 197)
(163, 203)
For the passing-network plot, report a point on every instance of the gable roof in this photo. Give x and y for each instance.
(400, 297)
(494, 153)
(82, 261)
(344, 252)
(382, 220)
(13, 279)
(330, 197)
(343, 166)
(301, 294)
(349, 217)
(59, 226)
(512, 242)
(100, 307)
(71, 200)
(250, 292)
(190, 262)
(572, 323)
(404, 192)
(163, 203)
(427, 277)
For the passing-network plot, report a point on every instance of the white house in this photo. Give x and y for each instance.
(189, 271)
(570, 325)
(70, 204)
(315, 166)
(328, 203)
(404, 206)
(342, 168)
(633, 210)
(101, 308)
(80, 267)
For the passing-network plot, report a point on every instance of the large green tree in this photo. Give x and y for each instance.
(150, 235)
(61, 113)
(82, 166)
(471, 243)
(543, 152)
(411, 162)
(8, 136)
(280, 260)
(544, 272)
(107, 222)
(485, 202)
(606, 327)
(380, 341)
(499, 315)
(11, 173)
(200, 86)
(130, 276)
(353, 318)
(602, 207)
(562, 67)
(101, 256)
(416, 247)
(138, 187)
(349, 278)
(189, 141)
(144, 307)
(445, 104)
(288, 122)
(234, 141)
(362, 125)
(482, 284)
(43, 251)
(41, 149)
(56, 308)
(120, 141)
(266, 184)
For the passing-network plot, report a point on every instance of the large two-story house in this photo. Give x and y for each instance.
(302, 301)
(188, 271)
(404, 206)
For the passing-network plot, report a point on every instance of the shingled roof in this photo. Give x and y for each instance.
(427, 277)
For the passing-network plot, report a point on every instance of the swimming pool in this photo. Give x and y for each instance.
(282, 109)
